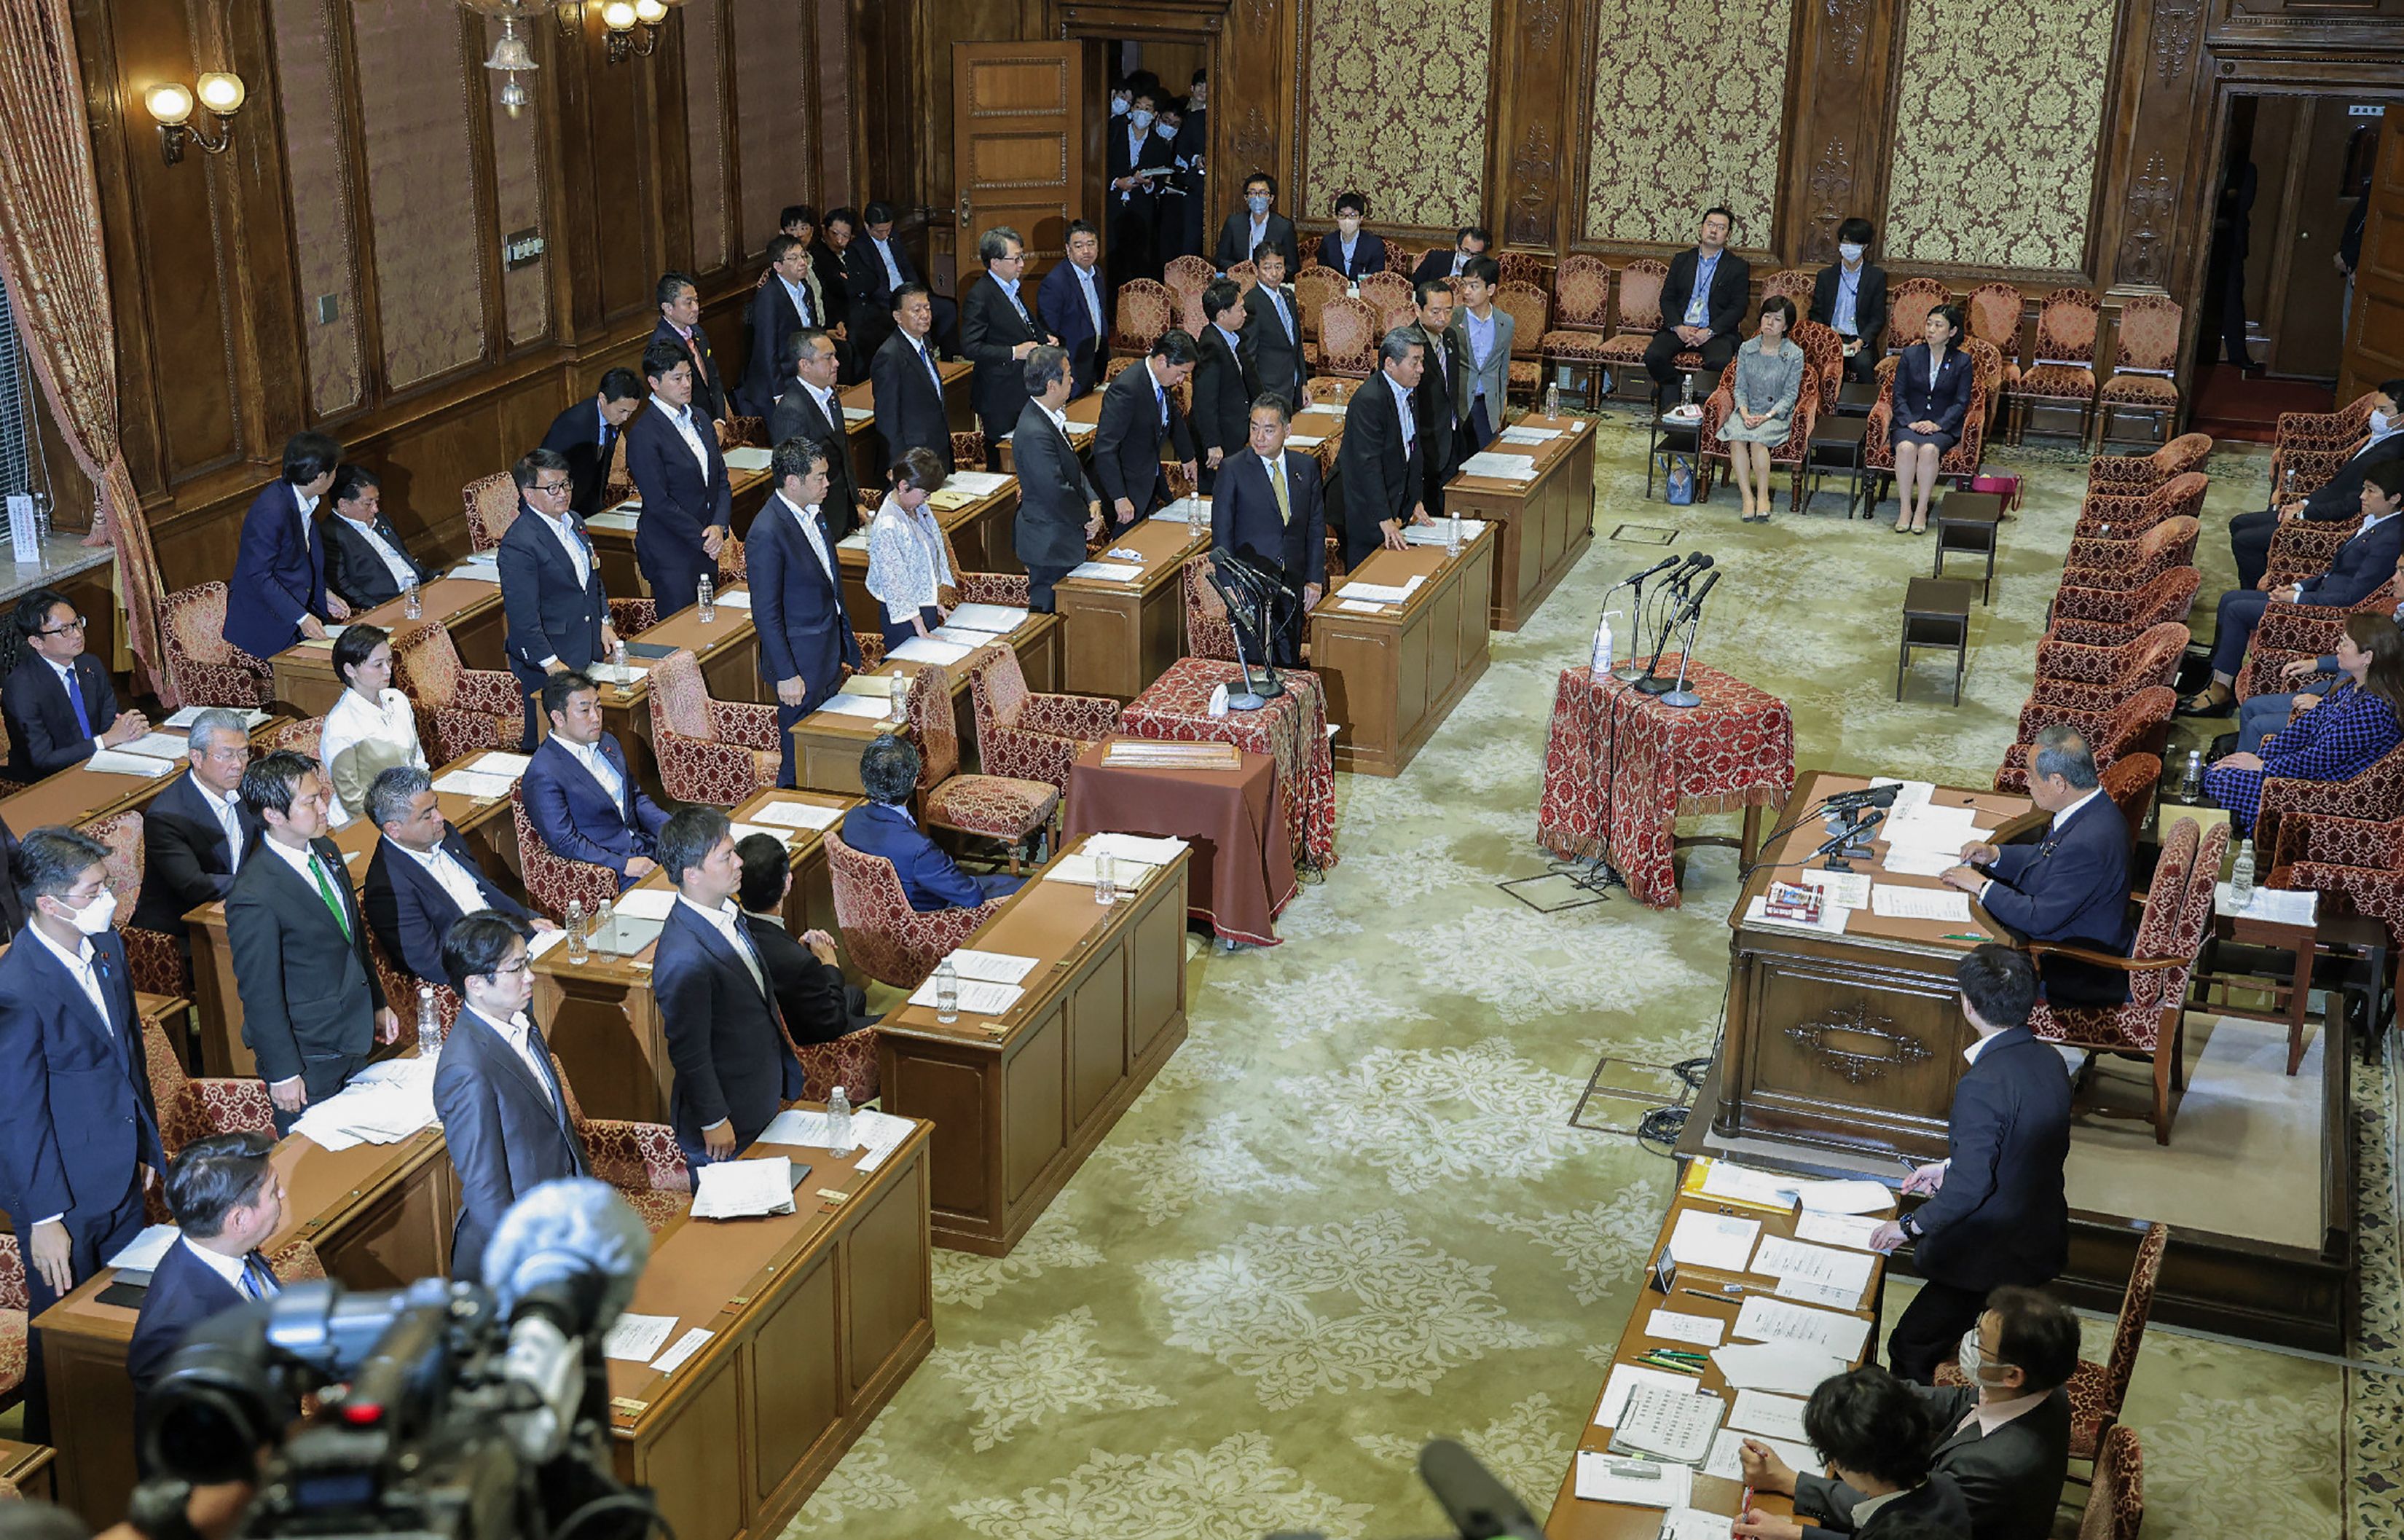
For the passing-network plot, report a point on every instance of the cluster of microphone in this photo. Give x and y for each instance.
(1684, 602)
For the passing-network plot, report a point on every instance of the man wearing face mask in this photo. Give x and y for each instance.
(1139, 164)
(1347, 248)
(2003, 1440)
(1256, 224)
(1191, 146)
(2339, 498)
(1998, 1215)
(1849, 297)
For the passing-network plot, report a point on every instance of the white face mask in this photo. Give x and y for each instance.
(1850, 252)
(1140, 118)
(1973, 1363)
(1118, 107)
(2380, 422)
(1258, 204)
(1350, 226)
(1164, 131)
(93, 919)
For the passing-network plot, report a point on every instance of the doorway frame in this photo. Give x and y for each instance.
(1203, 21)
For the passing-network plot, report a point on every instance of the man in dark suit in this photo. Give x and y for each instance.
(810, 409)
(228, 1199)
(805, 970)
(1439, 420)
(2361, 566)
(807, 645)
(311, 1008)
(2339, 498)
(679, 331)
(1271, 507)
(909, 388)
(868, 299)
(1060, 508)
(1273, 358)
(1849, 297)
(998, 330)
(587, 434)
(58, 703)
(734, 1067)
(578, 793)
(883, 827)
(80, 1140)
(2070, 888)
(198, 832)
(1139, 416)
(366, 562)
(887, 263)
(13, 905)
(782, 305)
(1073, 302)
(421, 878)
(1468, 244)
(1379, 461)
(1702, 304)
(1138, 165)
(1875, 1435)
(1347, 248)
(505, 1115)
(1254, 225)
(1999, 1214)
(1189, 150)
(556, 618)
(688, 505)
(1221, 397)
(278, 594)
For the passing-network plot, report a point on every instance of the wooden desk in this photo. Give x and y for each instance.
(1573, 1517)
(818, 1317)
(468, 607)
(870, 454)
(612, 530)
(1850, 1041)
(490, 832)
(726, 647)
(1393, 677)
(79, 795)
(27, 1469)
(600, 1014)
(1018, 1103)
(1546, 525)
(827, 746)
(380, 1216)
(981, 535)
(1118, 635)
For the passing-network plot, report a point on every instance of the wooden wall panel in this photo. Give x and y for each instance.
(708, 173)
(414, 105)
(775, 146)
(518, 201)
(1839, 130)
(324, 203)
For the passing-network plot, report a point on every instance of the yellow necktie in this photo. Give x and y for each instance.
(1277, 481)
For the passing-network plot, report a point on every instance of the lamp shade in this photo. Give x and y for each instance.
(169, 103)
(650, 12)
(222, 92)
(619, 15)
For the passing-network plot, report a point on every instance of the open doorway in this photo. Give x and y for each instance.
(1166, 214)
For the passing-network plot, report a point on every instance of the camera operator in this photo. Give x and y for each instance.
(229, 1200)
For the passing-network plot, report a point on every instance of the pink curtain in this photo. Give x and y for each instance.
(57, 270)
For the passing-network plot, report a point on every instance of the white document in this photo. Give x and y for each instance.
(156, 746)
(992, 967)
(1788, 1368)
(191, 714)
(978, 483)
(1830, 923)
(928, 649)
(1782, 1258)
(1818, 1294)
(1844, 890)
(1665, 1424)
(1778, 1416)
(2270, 906)
(1413, 583)
(977, 998)
(747, 458)
(647, 902)
(1183, 510)
(1894, 900)
(1106, 571)
(639, 1338)
(955, 636)
(1696, 1524)
(1852, 1196)
(143, 1253)
(1375, 592)
(1914, 862)
(544, 941)
(855, 540)
(1624, 1379)
(1719, 1241)
(1832, 1229)
(741, 832)
(475, 783)
(1360, 607)
(1500, 467)
(1727, 1455)
(1144, 849)
(117, 762)
(1304, 440)
(733, 598)
(687, 1345)
(863, 707)
(743, 1189)
(858, 415)
(1643, 1483)
(799, 1125)
(1704, 1331)
(797, 815)
(384, 1104)
(624, 516)
(1434, 534)
(492, 762)
(1911, 793)
(998, 620)
(1766, 1320)
(1077, 867)
(1523, 435)
(1744, 1185)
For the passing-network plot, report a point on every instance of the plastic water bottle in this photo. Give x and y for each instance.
(1685, 389)
(1553, 399)
(839, 1137)
(1604, 646)
(2191, 782)
(1196, 526)
(429, 1020)
(947, 991)
(2240, 877)
(707, 599)
(1452, 534)
(576, 930)
(898, 694)
(1105, 881)
(410, 605)
(603, 919)
(618, 658)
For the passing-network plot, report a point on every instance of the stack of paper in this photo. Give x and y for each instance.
(962, 638)
(878, 1133)
(733, 598)
(1372, 593)
(1831, 1229)
(156, 746)
(1660, 1423)
(797, 815)
(1789, 1368)
(855, 540)
(494, 763)
(384, 1104)
(647, 902)
(637, 1339)
(190, 714)
(977, 484)
(1830, 923)
(2270, 906)
(1132, 861)
(1743, 1184)
(1163, 754)
(476, 782)
(1704, 1331)
(928, 649)
(1908, 794)
(117, 762)
(1138, 848)
(1721, 1242)
(1684, 1524)
(740, 832)
(1727, 1455)
(1893, 901)
(747, 458)
(1434, 534)
(1852, 1196)
(1778, 1416)
(1524, 435)
(866, 706)
(993, 619)
(743, 1189)
(858, 415)
(1106, 571)
(1181, 511)
(976, 998)
(626, 515)
(1304, 440)
(1830, 1268)
(135, 1262)
(1927, 839)
(1766, 1320)
(1500, 467)
(1643, 1483)
(992, 967)
(1843, 889)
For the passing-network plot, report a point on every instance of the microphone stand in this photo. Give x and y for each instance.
(1627, 671)
(1681, 695)
(1649, 681)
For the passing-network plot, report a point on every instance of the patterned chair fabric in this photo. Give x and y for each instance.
(2098, 1390)
(997, 807)
(1987, 363)
(2322, 438)
(2067, 322)
(1208, 633)
(305, 737)
(1146, 310)
(193, 1107)
(2143, 375)
(1908, 304)
(1186, 278)
(553, 881)
(16, 1307)
(1313, 286)
(2093, 679)
(492, 503)
(891, 942)
(640, 1160)
(2116, 1503)
(1795, 284)
(1528, 308)
(1348, 338)
(2374, 796)
(2096, 562)
(1404, 260)
(2129, 782)
(1522, 267)
(2122, 516)
(2177, 915)
(2290, 631)
(2138, 474)
(2132, 726)
(1823, 360)
(459, 709)
(2099, 618)
(631, 618)
(712, 751)
(1878, 446)
(1581, 296)
(2305, 547)
(207, 669)
(1791, 452)
(2356, 861)
(400, 989)
(1247, 274)
(1993, 311)
(1639, 315)
(153, 958)
(1028, 736)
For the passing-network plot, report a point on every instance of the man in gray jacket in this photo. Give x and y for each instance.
(1482, 333)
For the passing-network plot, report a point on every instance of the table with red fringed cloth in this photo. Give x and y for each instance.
(1292, 729)
(1735, 751)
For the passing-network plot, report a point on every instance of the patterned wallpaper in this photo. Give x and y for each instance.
(416, 91)
(705, 125)
(321, 214)
(1990, 177)
(1397, 108)
(772, 101)
(1688, 100)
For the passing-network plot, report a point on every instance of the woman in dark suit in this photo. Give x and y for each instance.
(1932, 396)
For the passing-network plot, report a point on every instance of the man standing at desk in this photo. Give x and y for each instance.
(998, 330)
(1219, 393)
(734, 1065)
(80, 1140)
(907, 386)
(688, 505)
(1060, 508)
(311, 1008)
(1999, 1214)
(2072, 886)
(680, 332)
(59, 706)
(1071, 304)
(197, 833)
(557, 617)
(809, 409)
(229, 1200)
(1380, 459)
(587, 434)
(578, 793)
(422, 878)
(1271, 507)
(1139, 413)
(806, 646)
(277, 595)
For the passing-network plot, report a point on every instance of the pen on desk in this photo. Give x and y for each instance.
(1961, 935)
(1680, 1352)
(1673, 1364)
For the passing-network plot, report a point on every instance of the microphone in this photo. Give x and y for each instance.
(1868, 796)
(1655, 570)
(571, 1251)
(1479, 1506)
(1835, 842)
(1695, 603)
(1695, 564)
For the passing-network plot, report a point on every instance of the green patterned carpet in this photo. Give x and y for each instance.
(1352, 1214)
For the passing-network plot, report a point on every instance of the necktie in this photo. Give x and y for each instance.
(1160, 400)
(326, 891)
(700, 364)
(75, 698)
(936, 374)
(1277, 482)
(1276, 302)
(256, 1282)
(1410, 430)
(230, 822)
(750, 959)
(1016, 306)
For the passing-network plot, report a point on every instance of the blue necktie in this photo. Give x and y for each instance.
(75, 698)
(256, 1282)
(1160, 400)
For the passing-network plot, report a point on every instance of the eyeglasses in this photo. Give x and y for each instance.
(520, 966)
(548, 488)
(73, 626)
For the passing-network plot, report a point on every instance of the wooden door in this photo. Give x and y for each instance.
(2374, 336)
(1027, 143)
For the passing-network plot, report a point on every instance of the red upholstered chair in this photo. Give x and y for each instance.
(1528, 308)
(1208, 633)
(631, 618)
(2129, 782)
(492, 503)
(891, 942)
(2303, 548)
(984, 806)
(1823, 356)
(192, 1107)
(2096, 562)
(1638, 318)
(1790, 453)
(2122, 516)
(1987, 363)
(1029, 737)
(207, 669)
(2356, 862)
(1313, 286)
(2102, 618)
(1581, 313)
(553, 881)
(1993, 311)
(2136, 726)
(2291, 631)
(2138, 474)
(153, 959)
(641, 1160)
(1246, 275)
(1523, 267)
(16, 1318)
(1348, 338)
(1186, 278)
(2144, 386)
(2116, 1503)
(2063, 375)
(459, 709)
(1795, 284)
(1908, 304)
(1146, 310)
(709, 751)
(1878, 446)
(2324, 438)
(1387, 292)
(2148, 1024)
(2374, 796)
(401, 988)
(2095, 679)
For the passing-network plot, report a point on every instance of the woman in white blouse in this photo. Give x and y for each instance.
(372, 727)
(909, 570)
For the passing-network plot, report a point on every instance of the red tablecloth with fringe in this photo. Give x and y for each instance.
(1292, 729)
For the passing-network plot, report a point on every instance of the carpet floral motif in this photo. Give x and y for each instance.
(1170, 1175)
(1526, 1446)
(1050, 1370)
(1235, 1490)
(1600, 1245)
(1402, 1109)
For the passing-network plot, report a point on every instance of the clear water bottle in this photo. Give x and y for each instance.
(1685, 389)
(618, 659)
(1105, 881)
(429, 1020)
(1197, 522)
(1553, 399)
(839, 1137)
(947, 991)
(603, 917)
(2240, 877)
(706, 598)
(1604, 647)
(576, 930)
(411, 605)
(1452, 534)
(2191, 780)
(898, 694)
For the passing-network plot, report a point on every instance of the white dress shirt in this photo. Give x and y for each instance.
(811, 533)
(1092, 294)
(1402, 404)
(597, 765)
(573, 543)
(308, 507)
(727, 920)
(885, 255)
(1993, 1415)
(403, 572)
(235, 1270)
(518, 1032)
(229, 816)
(801, 298)
(682, 419)
(78, 966)
(306, 865)
(456, 881)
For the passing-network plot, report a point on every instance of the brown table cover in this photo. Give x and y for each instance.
(1241, 874)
